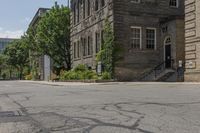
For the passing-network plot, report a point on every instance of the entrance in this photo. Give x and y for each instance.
(168, 56)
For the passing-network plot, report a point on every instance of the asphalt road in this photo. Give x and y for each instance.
(111, 108)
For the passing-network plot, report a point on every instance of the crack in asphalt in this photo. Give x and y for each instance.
(25, 112)
(86, 127)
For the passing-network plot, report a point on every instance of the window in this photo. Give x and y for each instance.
(78, 49)
(75, 13)
(173, 3)
(151, 38)
(102, 3)
(89, 47)
(98, 43)
(136, 38)
(96, 5)
(88, 8)
(102, 37)
(84, 9)
(75, 51)
(78, 12)
(84, 47)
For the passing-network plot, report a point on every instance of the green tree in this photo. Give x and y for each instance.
(53, 35)
(17, 55)
(2, 63)
(106, 53)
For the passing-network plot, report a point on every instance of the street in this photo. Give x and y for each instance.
(99, 108)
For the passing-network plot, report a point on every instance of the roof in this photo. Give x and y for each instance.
(37, 15)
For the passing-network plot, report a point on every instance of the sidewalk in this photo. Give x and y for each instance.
(106, 83)
(57, 83)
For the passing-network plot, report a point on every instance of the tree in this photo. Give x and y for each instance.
(2, 63)
(106, 54)
(17, 55)
(53, 35)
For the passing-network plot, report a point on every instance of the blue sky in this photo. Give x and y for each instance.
(15, 15)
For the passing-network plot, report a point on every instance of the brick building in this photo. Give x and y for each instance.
(150, 34)
(192, 40)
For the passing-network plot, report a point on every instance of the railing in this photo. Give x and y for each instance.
(155, 72)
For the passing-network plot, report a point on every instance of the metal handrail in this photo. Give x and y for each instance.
(155, 71)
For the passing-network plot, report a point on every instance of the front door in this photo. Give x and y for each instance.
(168, 56)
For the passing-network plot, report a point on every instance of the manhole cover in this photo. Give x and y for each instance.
(9, 113)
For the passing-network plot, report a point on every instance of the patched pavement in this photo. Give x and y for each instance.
(28, 107)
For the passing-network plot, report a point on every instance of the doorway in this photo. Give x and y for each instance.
(168, 56)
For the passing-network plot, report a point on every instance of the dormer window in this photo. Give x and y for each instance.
(173, 3)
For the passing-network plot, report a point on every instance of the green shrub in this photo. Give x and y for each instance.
(4, 75)
(80, 67)
(106, 76)
(78, 73)
(28, 77)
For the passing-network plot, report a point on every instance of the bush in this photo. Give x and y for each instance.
(80, 67)
(29, 77)
(78, 73)
(4, 75)
(106, 76)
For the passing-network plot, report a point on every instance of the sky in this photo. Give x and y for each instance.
(15, 15)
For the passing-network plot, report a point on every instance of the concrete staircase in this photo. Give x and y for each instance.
(159, 74)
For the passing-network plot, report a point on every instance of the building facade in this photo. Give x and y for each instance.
(149, 34)
(4, 42)
(192, 40)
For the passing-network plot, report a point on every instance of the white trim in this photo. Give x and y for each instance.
(155, 29)
(138, 27)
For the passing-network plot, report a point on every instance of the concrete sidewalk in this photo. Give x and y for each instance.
(103, 83)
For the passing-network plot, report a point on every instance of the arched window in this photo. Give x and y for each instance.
(168, 40)
(173, 3)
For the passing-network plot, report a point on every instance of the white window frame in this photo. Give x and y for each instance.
(155, 29)
(138, 27)
(177, 4)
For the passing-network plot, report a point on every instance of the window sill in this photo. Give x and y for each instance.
(76, 59)
(87, 56)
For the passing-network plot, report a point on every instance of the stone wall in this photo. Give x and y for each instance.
(147, 14)
(192, 40)
(124, 14)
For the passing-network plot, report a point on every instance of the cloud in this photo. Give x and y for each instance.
(11, 34)
(1, 28)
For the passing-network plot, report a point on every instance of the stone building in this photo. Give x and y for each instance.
(192, 40)
(40, 64)
(150, 34)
